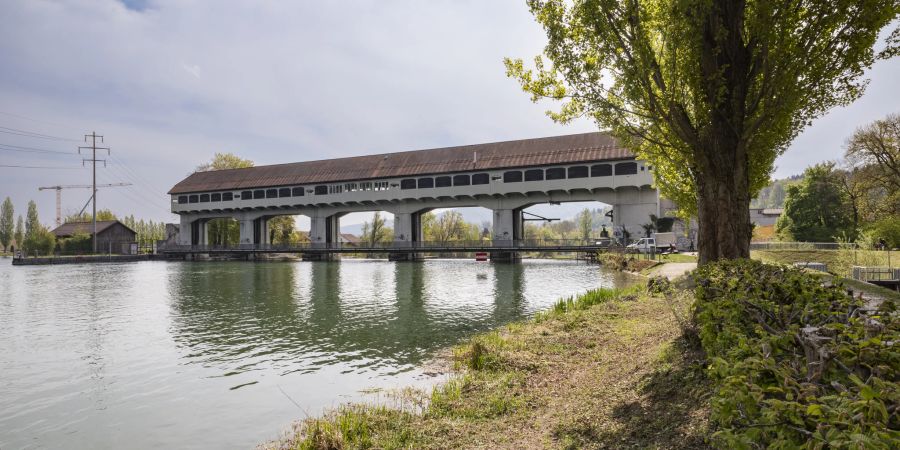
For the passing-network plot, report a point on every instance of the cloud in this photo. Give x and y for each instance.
(170, 82)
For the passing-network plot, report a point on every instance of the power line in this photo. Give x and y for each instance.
(93, 162)
(26, 133)
(38, 167)
(16, 148)
(29, 118)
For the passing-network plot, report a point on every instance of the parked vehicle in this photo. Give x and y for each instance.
(659, 243)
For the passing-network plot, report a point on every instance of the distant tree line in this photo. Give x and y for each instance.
(857, 200)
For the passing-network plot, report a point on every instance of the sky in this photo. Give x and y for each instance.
(168, 83)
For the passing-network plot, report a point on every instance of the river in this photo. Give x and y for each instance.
(217, 355)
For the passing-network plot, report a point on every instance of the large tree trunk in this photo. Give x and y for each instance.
(723, 205)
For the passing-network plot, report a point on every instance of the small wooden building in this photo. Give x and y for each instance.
(112, 236)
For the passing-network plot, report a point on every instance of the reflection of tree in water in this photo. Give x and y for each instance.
(238, 316)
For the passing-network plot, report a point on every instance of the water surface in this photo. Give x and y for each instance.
(216, 354)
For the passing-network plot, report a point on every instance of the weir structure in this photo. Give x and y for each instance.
(505, 177)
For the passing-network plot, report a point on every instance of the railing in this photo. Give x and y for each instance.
(385, 247)
(803, 246)
(875, 274)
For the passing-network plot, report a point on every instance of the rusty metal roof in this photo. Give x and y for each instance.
(499, 155)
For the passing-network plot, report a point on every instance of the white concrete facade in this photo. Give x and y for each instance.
(631, 194)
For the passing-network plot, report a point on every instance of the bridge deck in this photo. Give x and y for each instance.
(414, 247)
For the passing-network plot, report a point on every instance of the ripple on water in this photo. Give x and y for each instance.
(212, 355)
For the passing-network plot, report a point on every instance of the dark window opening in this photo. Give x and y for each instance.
(461, 180)
(626, 168)
(321, 190)
(426, 183)
(194, 199)
(246, 195)
(556, 173)
(259, 194)
(578, 172)
(215, 198)
(271, 193)
(204, 198)
(409, 183)
(442, 182)
(601, 170)
(297, 192)
(284, 192)
(481, 178)
(513, 176)
(182, 199)
(534, 175)
(227, 196)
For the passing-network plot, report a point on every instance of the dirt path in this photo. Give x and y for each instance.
(671, 270)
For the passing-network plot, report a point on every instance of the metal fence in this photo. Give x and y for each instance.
(875, 273)
(803, 246)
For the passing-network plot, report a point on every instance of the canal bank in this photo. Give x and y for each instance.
(81, 259)
(609, 368)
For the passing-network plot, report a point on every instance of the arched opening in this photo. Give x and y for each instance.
(569, 222)
(367, 229)
(447, 226)
(223, 232)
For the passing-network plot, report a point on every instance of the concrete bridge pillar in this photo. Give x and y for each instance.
(245, 226)
(508, 229)
(184, 231)
(323, 233)
(407, 233)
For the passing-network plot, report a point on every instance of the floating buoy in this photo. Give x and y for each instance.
(481, 256)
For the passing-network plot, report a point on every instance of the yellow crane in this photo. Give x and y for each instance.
(59, 189)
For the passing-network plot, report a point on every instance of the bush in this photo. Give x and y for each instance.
(796, 364)
(40, 242)
(78, 244)
(887, 229)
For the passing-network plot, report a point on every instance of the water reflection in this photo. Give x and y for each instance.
(202, 355)
(302, 316)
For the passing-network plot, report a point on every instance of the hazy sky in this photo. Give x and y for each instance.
(170, 82)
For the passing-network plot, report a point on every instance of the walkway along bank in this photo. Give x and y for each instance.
(505, 177)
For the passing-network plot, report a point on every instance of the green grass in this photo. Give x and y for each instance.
(604, 369)
(677, 258)
(838, 262)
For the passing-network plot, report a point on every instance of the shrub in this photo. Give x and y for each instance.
(39, 242)
(797, 364)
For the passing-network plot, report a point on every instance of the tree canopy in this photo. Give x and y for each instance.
(7, 222)
(222, 161)
(709, 91)
(816, 209)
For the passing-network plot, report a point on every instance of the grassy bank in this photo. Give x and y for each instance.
(837, 262)
(788, 360)
(606, 369)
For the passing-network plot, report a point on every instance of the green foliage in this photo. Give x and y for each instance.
(376, 232)
(774, 194)
(710, 92)
(887, 229)
(39, 242)
(77, 244)
(871, 180)
(797, 364)
(223, 161)
(103, 214)
(816, 208)
(19, 234)
(7, 222)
